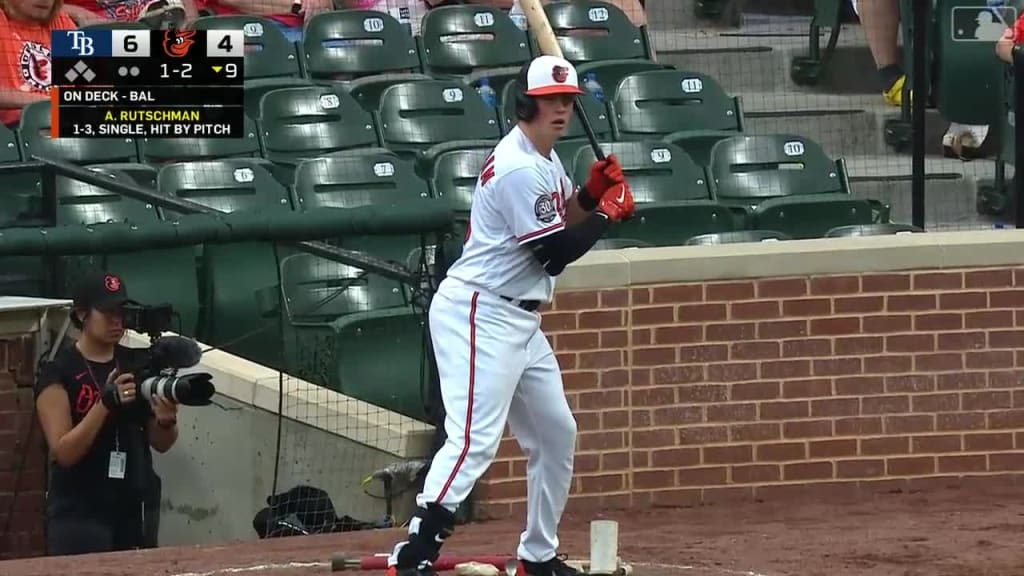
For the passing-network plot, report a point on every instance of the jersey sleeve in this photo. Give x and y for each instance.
(531, 209)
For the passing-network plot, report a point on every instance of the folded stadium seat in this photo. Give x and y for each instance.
(686, 108)
(474, 43)
(362, 50)
(346, 333)
(810, 215)
(163, 150)
(421, 119)
(807, 70)
(737, 237)
(619, 243)
(34, 131)
(598, 38)
(575, 136)
(239, 281)
(311, 121)
(887, 229)
(143, 174)
(268, 53)
(156, 276)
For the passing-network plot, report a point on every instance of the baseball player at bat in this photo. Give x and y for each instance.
(528, 222)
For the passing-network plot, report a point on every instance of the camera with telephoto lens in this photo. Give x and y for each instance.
(158, 375)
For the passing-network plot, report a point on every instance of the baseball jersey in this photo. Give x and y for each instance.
(520, 196)
(25, 62)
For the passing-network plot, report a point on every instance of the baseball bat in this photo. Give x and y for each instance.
(541, 28)
(341, 562)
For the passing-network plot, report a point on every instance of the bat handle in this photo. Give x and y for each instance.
(598, 152)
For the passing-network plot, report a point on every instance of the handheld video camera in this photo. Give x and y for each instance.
(166, 355)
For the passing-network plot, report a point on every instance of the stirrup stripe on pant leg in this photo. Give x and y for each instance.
(469, 409)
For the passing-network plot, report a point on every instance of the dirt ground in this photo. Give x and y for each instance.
(945, 533)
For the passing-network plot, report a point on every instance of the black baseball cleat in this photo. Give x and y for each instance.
(396, 571)
(554, 567)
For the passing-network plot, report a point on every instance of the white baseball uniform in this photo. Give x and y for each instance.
(494, 362)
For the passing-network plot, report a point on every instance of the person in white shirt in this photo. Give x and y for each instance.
(527, 223)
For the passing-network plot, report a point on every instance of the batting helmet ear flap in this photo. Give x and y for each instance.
(526, 106)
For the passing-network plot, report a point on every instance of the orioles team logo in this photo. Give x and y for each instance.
(112, 283)
(560, 74)
(34, 62)
(177, 42)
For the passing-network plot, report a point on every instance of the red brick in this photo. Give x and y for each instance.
(613, 419)
(860, 468)
(1005, 419)
(859, 304)
(641, 296)
(910, 343)
(760, 390)
(807, 307)
(987, 319)
(601, 400)
(910, 383)
(615, 339)
(731, 332)
(963, 300)
(615, 298)
(885, 405)
(807, 347)
(782, 452)
(755, 432)
(988, 278)
(973, 463)
(578, 341)
(567, 361)
(732, 412)
(858, 426)
(961, 380)
(807, 471)
(585, 464)
(989, 359)
(1006, 299)
(1018, 277)
(784, 410)
(783, 369)
(807, 429)
(652, 396)
(614, 358)
(678, 375)
(558, 321)
(675, 294)
(910, 302)
(835, 407)
(884, 282)
(506, 489)
(677, 334)
(618, 378)
(987, 400)
(758, 350)
(678, 415)
(909, 423)
(859, 385)
(1006, 339)
(938, 322)
(859, 345)
(990, 442)
(943, 361)
(728, 454)
(912, 466)
(714, 476)
(885, 446)
(772, 330)
(565, 301)
(962, 341)
(701, 312)
(756, 473)
(931, 444)
(832, 448)
(1000, 378)
(960, 421)
(732, 372)
(754, 310)
(949, 402)
(887, 324)
(601, 441)
(835, 285)
(835, 325)
(806, 388)
(675, 457)
(938, 281)
(642, 336)
(651, 316)
(703, 353)
(656, 438)
(781, 287)
(703, 435)
(729, 291)
(649, 479)
(598, 319)
(999, 462)
(696, 393)
(836, 366)
(676, 498)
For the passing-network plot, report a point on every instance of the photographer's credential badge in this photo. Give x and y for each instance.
(118, 464)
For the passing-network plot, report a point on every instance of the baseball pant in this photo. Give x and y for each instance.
(496, 366)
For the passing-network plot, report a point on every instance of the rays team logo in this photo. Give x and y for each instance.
(34, 62)
(560, 74)
(177, 42)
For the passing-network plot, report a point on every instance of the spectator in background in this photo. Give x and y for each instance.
(147, 11)
(289, 15)
(411, 12)
(25, 28)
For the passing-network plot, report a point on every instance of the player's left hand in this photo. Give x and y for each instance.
(603, 175)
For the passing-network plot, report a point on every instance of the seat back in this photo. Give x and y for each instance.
(10, 149)
(658, 102)
(454, 176)
(82, 203)
(34, 129)
(811, 216)
(753, 168)
(417, 115)
(227, 185)
(673, 223)
(358, 179)
(162, 150)
(461, 39)
(268, 53)
(318, 290)
(656, 171)
(345, 44)
(590, 30)
(597, 115)
(309, 121)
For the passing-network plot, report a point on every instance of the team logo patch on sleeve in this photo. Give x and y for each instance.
(544, 209)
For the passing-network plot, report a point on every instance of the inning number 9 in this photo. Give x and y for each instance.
(231, 70)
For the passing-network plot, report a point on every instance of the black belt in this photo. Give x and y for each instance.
(528, 305)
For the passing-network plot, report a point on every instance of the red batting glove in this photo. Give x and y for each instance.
(603, 175)
(617, 203)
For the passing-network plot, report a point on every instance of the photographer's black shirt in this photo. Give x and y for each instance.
(86, 489)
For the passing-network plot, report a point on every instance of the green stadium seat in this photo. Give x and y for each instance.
(34, 130)
(235, 277)
(311, 121)
(737, 237)
(969, 79)
(886, 229)
(656, 171)
(10, 149)
(21, 198)
(414, 116)
(673, 223)
(807, 70)
(811, 215)
(164, 150)
(143, 174)
(575, 136)
(619, 244)
(268, 52)
(473, 43)
(686, 108)
(253, 91)
(366, 51)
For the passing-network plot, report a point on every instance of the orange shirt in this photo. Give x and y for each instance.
(25, 57)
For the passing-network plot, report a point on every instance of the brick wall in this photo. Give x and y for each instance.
(25, 537)
(698, 392)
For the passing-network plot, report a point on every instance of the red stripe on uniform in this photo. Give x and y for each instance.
(541, 232)
(469, 409)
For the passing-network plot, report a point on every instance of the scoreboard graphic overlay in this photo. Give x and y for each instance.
(147, 83)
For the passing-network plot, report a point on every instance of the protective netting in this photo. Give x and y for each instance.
(734, 121)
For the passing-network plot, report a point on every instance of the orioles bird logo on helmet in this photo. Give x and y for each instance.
(177, 42)
(560, 74)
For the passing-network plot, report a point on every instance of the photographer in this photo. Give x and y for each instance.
(99, 431)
